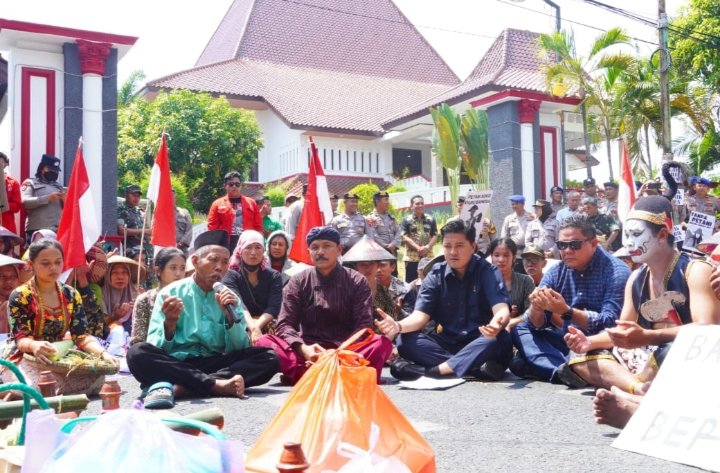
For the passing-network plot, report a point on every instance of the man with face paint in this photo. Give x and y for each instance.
(43, 197)
(668, 291)
(322, 307)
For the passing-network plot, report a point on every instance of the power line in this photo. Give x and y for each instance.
(517, 5)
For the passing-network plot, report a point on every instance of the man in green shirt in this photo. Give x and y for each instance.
(193, 342)
(269, 224)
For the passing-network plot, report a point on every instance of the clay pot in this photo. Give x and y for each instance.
(292, 459)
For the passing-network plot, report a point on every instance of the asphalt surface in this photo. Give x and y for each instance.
(511, 425)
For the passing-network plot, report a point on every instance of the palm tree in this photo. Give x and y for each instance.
(575, 73)
(129, 89)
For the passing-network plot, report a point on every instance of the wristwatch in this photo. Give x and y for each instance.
(567, 315)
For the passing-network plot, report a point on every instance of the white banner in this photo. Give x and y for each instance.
(476, 206)
(699, 228)
(679, 418)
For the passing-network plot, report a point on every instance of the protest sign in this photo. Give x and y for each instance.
(476, 206)
(699, 228)
(679, 198)
(678, 233)
(679, 418)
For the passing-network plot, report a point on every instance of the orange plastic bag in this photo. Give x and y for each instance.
(337, 400)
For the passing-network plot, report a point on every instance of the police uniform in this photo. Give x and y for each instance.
(183, 228)
(351, 228)
(385, 229)
(41, 213)
(514, 227)
(542, 235)
(707, 205)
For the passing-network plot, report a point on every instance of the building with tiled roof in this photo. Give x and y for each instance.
(360, 78)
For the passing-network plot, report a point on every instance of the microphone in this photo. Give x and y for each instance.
(230, 309)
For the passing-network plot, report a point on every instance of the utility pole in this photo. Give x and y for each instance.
(664, 70)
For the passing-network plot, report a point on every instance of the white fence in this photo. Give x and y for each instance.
(433, 195)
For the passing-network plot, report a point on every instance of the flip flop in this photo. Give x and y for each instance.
(159, 396)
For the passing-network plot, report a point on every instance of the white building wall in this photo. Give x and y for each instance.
(9, 141)
(286, 150)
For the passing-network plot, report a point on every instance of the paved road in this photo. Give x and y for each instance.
(513, 425)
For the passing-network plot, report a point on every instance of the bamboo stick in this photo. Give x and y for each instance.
(60, 404)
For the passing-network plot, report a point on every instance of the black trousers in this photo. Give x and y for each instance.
(411, 271)
(150, 364)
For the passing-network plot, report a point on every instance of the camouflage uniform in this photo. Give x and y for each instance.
(385, 229)
(605, 225)
(351, 228)
(133, 218)
(183, 228)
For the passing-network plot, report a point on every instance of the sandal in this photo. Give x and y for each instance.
(159, 396)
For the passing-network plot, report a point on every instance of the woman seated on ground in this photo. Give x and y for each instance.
(42, 311)
(85, 280)
(169, 267)
(502, 255)
(12, 273)
(119, 291)
(278, 247)
(259, 287)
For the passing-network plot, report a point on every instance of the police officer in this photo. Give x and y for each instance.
(514, 227)
(43, 197)
(542, 232)
(130, 221)
(557, 196)
(351, 224)
(385, 229)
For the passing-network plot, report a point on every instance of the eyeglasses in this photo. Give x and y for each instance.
(572, 244)
(233, 184)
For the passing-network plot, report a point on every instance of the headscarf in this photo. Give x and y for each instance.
(247, 237)
(114, 298)
(44, 233)
(276, 234)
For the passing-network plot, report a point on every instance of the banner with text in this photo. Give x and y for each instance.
(700, 227)
(476, 206)
(679, 418)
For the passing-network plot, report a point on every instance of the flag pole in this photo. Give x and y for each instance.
(142, 242)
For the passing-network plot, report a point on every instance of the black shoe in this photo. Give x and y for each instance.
(492, 370)
(519, 367)
(404, 370)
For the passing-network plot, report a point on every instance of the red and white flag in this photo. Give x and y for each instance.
(316, 210)
(79, 228)
(627, 194)
(160, 193)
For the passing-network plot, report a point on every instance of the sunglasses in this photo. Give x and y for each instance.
(572, 244)
(233, 184)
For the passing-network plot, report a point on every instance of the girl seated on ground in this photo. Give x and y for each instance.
(119, 291)
(169, 267)
(43, 311)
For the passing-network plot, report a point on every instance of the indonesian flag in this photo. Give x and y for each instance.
(160, 193)
(626, 195)
(79, 228)
(316, 211)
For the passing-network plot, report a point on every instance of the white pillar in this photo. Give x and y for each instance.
(527, 112)
(92, 64)
(527, 153)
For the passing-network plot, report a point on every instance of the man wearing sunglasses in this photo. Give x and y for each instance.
(234, 212)
(585, 290)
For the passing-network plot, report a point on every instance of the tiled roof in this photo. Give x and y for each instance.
(512, 62)
(367, 37)
(307, 98)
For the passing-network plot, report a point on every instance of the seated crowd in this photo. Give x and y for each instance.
(231, 315)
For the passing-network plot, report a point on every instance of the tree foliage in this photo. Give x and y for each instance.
(694, 41)
(207, 138)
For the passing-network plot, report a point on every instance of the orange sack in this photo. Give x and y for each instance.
(336, 401)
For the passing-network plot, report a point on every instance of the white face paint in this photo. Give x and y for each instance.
(639, 241)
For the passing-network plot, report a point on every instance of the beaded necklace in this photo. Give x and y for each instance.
(40, 324)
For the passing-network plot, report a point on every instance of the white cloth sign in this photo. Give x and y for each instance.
(476, 206)
(679, 418)
(700, 227)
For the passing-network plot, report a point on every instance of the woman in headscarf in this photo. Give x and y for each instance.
(169, 266)
(119, 292)
(278, 247)
(259, 287)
